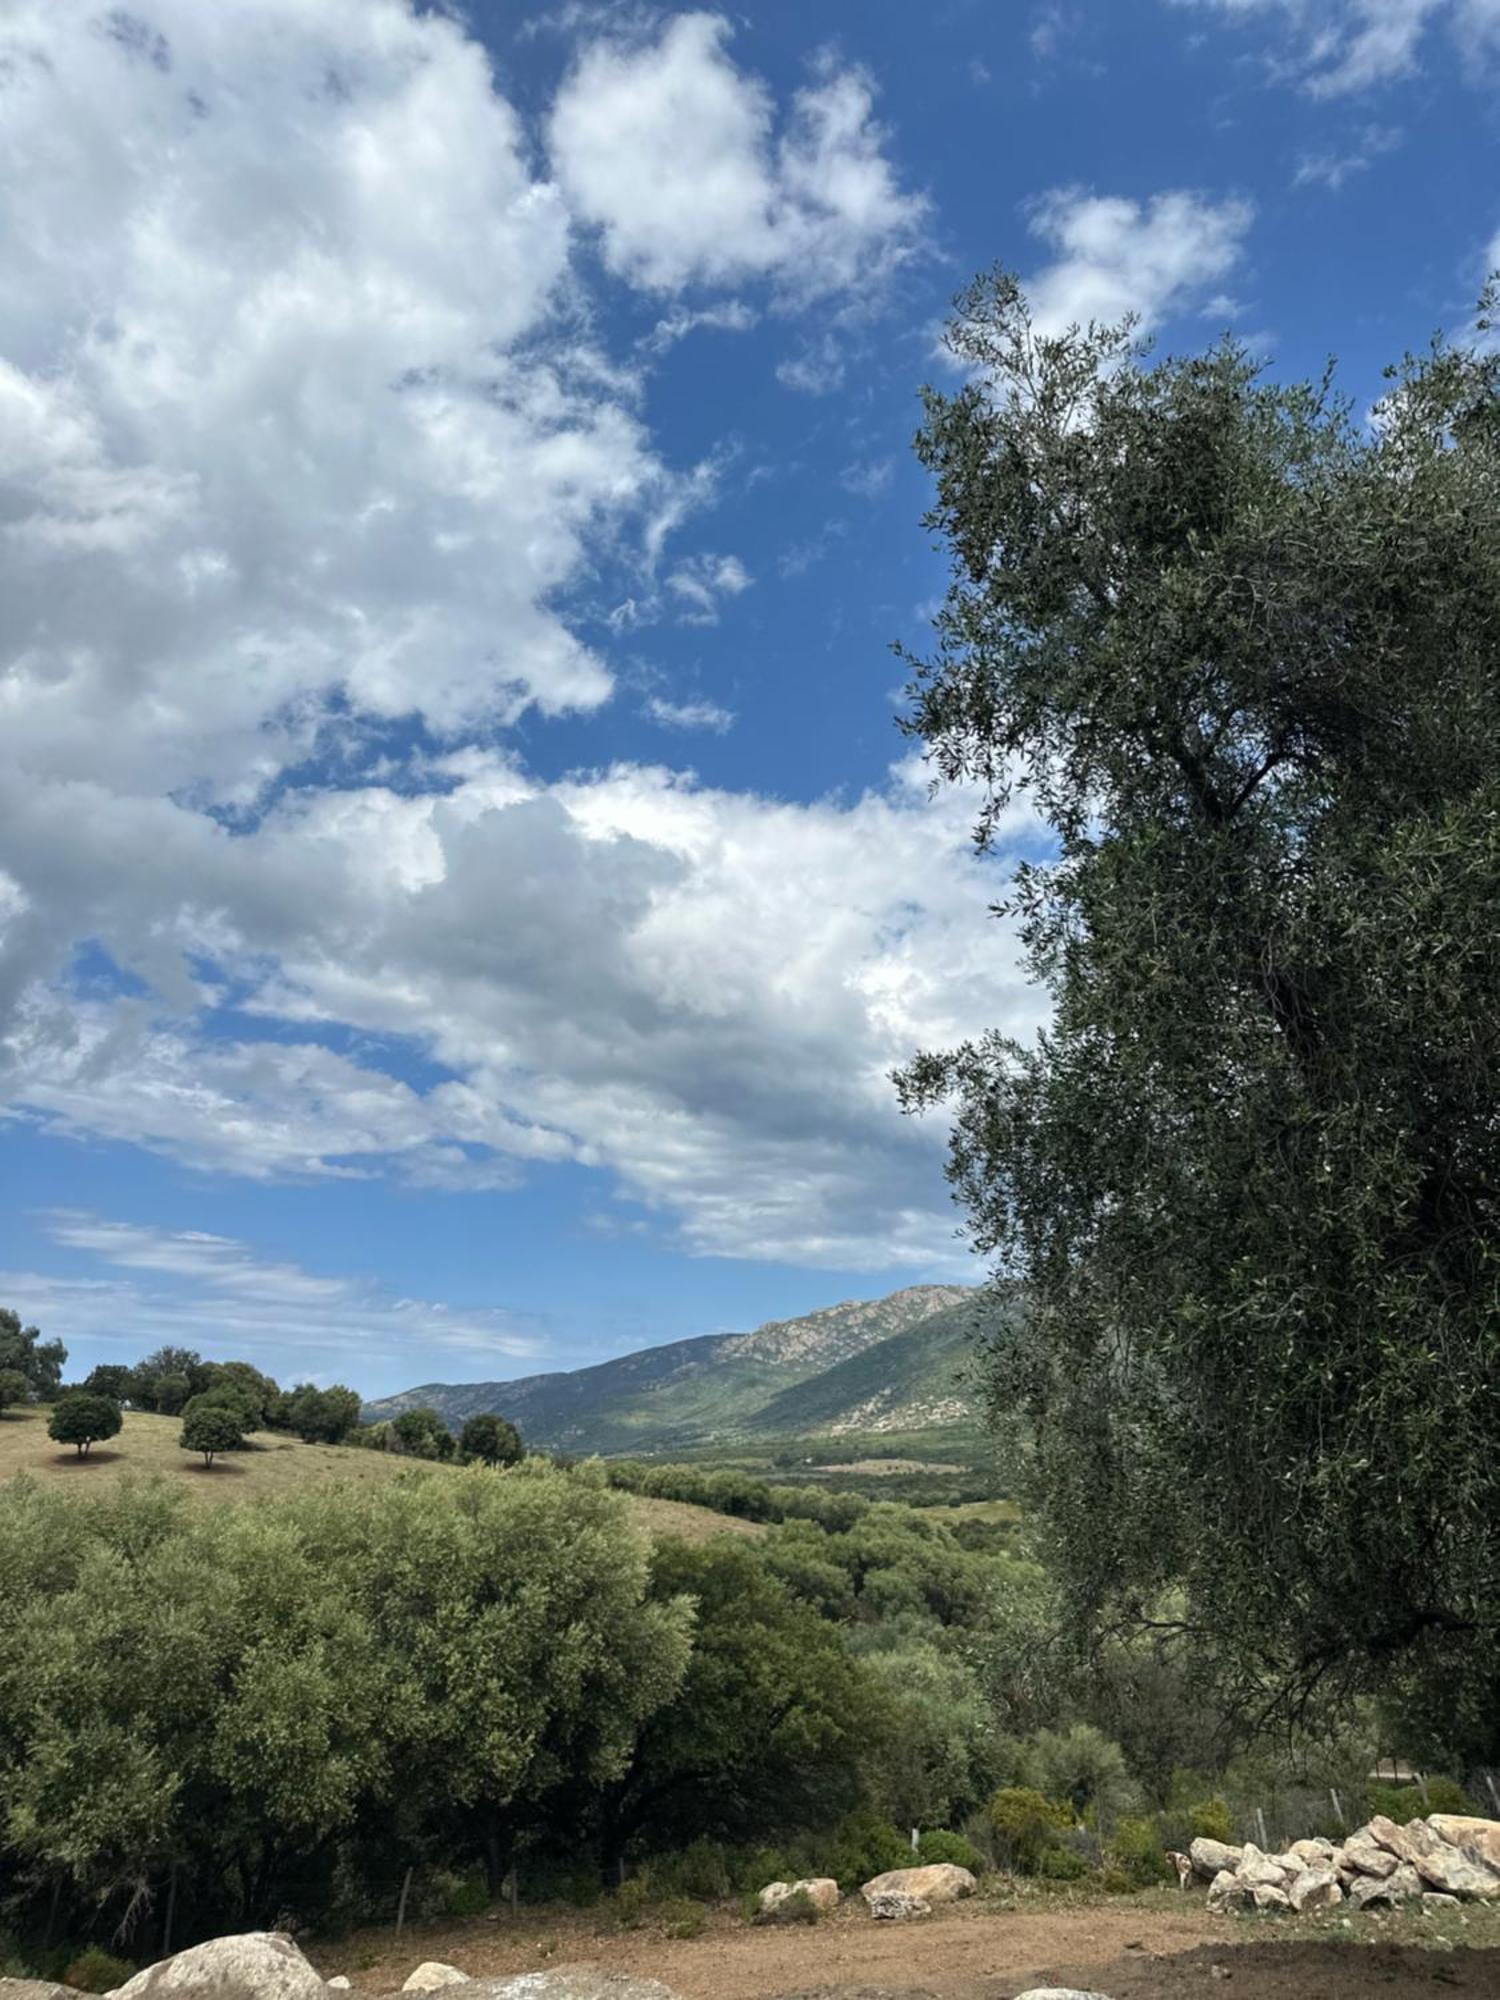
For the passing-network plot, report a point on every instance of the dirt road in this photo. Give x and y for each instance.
(1131, 1950)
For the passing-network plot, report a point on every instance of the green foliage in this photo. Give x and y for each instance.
(81, 1419)
(863, 1844)
(210, 1428)
(15, 1390)
(322, 1416)
(23, 1351)
(1211, 1819)
(798, 1908)
(110, 1378)
(168, 1395)
(1061, 1864)
(470, 1898)
(1239, 650)
(95, 1971)
(228, 1400)
(1404, 1802)
(1081, 1765)
(1137, 1851)
(491, 1440)
(939, 1845)
(1025, 1825)
(421, 1433)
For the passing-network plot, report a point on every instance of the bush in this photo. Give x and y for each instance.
(469, 1898)
(941, 1845)
(1211, 1819)
(700, 1870)
(1026, 1824)
(211, 1428)
(681, 1918)
(1404, 1802)
(1061, 1864)
(95, 1971)
(863, 1845)
(1137, 1852)
(795, 1909)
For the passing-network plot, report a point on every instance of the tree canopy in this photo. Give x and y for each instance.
(80, 1418)
(23, 1350)
(492, 1440)
(1238, 648)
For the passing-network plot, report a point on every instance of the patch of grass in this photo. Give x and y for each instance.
(147, 1446)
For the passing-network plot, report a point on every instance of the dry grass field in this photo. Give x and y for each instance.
(147, 1446)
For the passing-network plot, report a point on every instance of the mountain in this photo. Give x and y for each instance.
(866, 1365)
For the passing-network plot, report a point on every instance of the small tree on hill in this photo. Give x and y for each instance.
(492, 1440)
(322, 1416)
(14, 1388)
(22, 1348)
(80, 1418)
(211, 1427)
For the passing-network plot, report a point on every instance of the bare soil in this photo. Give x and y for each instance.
(1149, 1948)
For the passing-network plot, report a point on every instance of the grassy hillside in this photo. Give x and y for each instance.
(147, 1446)
(692, 1394)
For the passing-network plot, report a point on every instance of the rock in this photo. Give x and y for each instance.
(1314, 1853)
(1362, 1855)
(1433, 1899)
(264, 1963)
(1407, 1842)
(35, 1989)
(1397, 1888)
(1453, 1872)
(1264, 1871)
(1479, 1837)
(894, 1905)
(339, 1982)
(1314, 1889)
(1210, 1857)
(1269, 1897)
(820, 1890)
(1059, 1993)
(1226, 1891)
(940, 1882)
(571, 1982)
(431, 1974)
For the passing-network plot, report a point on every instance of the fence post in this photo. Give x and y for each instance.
(166, 1929)
(1489, 1779)
(1338, 1810)
(1260, 1821)
(401, 1906)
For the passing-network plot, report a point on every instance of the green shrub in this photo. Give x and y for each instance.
(680, 1918)
(1061, 1864)
(863, 1845)
(1115, 1882)
(466, 1899)
(1137, 1852)
(630, 1902)
(1404, 1802)
(795, 1909)
(940, 1845)
(1211, 1819)
(700, 1870)
(1026, 1824)
(95, 1971)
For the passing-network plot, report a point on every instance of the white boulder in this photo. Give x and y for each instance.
(264, 1963)
(895, 1906)
(1211, 1857)
(1314, 1889)
(820, 1890)
(938, 1882)
(432, 1974)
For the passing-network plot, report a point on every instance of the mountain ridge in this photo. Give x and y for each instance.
(860, 1364)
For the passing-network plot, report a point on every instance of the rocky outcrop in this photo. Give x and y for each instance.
(264, 1964)
(819, 1890)
(939, 1882)
(431, 1974)
(1445, 1856)
(35, 1989)
(895, 1906)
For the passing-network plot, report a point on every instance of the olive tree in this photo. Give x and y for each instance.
(210, 1428)
(1239, 650)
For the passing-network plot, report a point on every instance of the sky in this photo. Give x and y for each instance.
(463, 890)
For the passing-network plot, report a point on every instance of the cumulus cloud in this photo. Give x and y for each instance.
(1340, 46)
(674, 153)
(1117, 256)
(303, 448)
(291, 415)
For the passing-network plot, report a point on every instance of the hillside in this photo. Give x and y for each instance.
(148, 1447)
(869, 1365)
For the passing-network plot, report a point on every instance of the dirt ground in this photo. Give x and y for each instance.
(1143, 1949)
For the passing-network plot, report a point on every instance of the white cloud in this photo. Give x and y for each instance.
(691, 715)
(702, 582)
(675, 154)
(215, 1294)
(1331, 169)
(1117, 256)
(698, 991)
(1340, 46)
(292, 412)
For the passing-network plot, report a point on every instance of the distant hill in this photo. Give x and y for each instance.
(886, 1364)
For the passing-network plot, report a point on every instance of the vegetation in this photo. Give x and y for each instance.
(23, 1352)
(491, 1440)
(81, 1419)
(211, 1428)
(1238, 648)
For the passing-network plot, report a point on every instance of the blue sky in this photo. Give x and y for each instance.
(462, 890)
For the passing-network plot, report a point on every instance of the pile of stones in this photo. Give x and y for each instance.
(896, 1896)
(1444, 1859)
